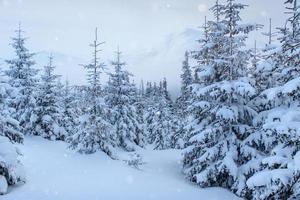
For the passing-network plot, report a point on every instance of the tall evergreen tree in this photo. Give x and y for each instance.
(94, 132)
(140, 106)
(163, 123)
(277, 134)
(196, 113)
(22, 77)
(216, 154)
(186, 81)
(179, 137)
(68, 110)
(123, 113)
(150, 110)
(162, 126)
(47, 112)
(159, 117)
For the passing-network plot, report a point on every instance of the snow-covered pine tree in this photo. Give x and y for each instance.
(277, 135)
(47, 117)
(205, 73)
(69, 115)
(94, 131)
(140, 106)
(162, 127)
(123, 114)
(165, 92)
(216, 155)
(22, 77)
(11, 170)
(171, 116)
(161, 119)
(150, 110)
(185, 92)
(162, 124)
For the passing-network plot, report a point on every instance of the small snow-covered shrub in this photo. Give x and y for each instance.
(135, 161)
(10, 167)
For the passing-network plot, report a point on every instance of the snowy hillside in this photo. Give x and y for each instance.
(54, 172)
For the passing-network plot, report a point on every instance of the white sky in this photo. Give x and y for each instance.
(67, 26)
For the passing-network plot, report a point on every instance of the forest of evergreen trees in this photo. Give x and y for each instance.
(237, 118)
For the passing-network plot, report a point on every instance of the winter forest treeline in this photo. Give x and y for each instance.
(236, 119)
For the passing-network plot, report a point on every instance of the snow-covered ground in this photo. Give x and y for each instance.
(55, 172)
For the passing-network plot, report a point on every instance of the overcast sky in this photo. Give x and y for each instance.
(67, 26)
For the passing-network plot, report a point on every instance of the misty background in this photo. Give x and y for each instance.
(152, 34)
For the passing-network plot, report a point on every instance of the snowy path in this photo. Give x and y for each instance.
(57, 173)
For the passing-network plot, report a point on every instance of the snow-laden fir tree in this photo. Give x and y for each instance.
(185, 92)
(162, 127)
(69, 119)
(165, 92)
(216, 155)
(11, 170)
(205, 73)
(150, 109)
(46, 119)
(94, 132)
(140, 106)
(151, 98)
(162, 124)
(120, 94)
(160, 117)
(179, 111)
(277, 136)
(22, 77)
